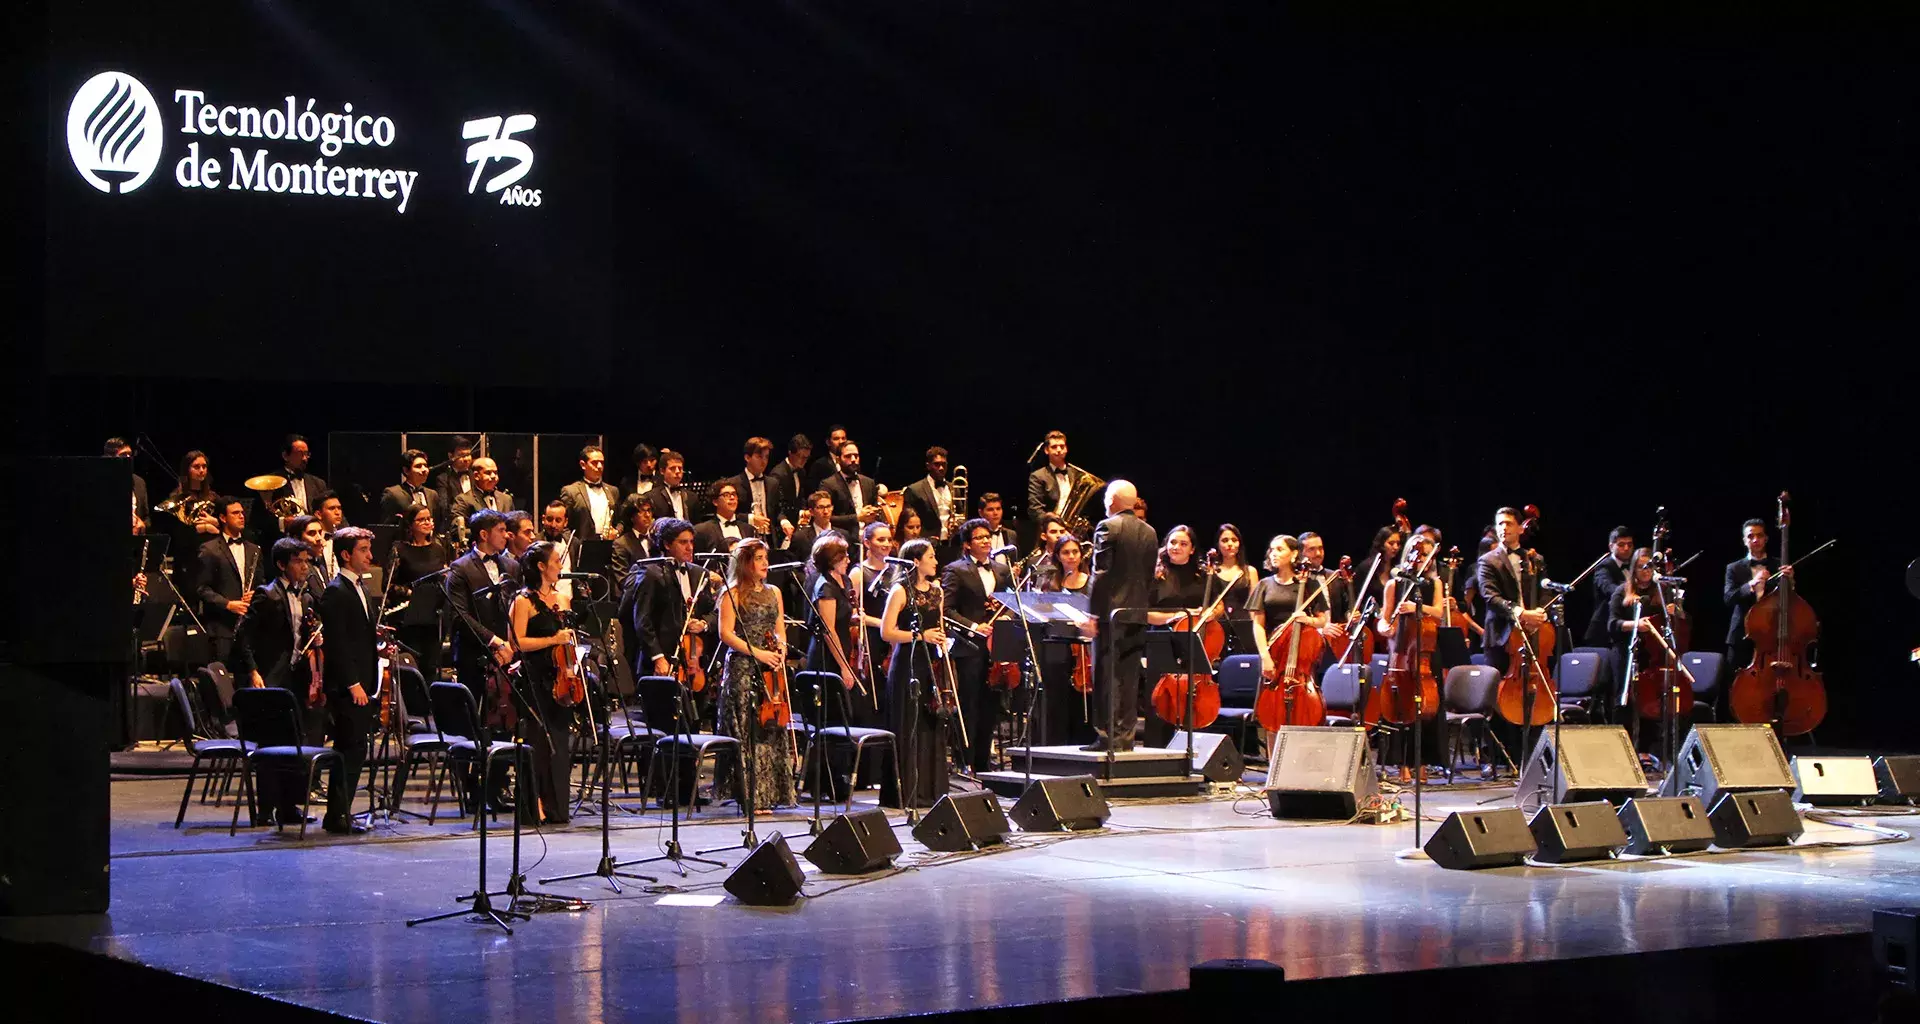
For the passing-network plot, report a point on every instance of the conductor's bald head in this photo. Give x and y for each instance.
(1120, 497)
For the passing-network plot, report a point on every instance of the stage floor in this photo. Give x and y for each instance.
(1167, 885)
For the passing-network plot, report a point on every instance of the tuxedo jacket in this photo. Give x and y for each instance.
(967, 597)
(1501, 594)
(1734, 591)
(473, 501)
(1124, 549)
(479, 614)
(396, 500)
(662, 502)
(580, 508)
(628, 549)
(266, 642)
(447, 482)
(819, 470)
(920, 498)
(654, 611)
(349, 640)
(792, 487)
(218, 581)
(707, 535)
(845, 517)
(745, 488)
(269, 525)
(1606, 580)
(1041, 493)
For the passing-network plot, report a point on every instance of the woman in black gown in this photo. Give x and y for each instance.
(539, 625)
(1411, 595)
(1179, 593)
(420, 556)
(1064, 712)
(911, 623)
(872, 580)
(1233, 583)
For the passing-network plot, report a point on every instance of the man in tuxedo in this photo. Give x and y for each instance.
(1607, 578)
(1509, 585)
(1339, 591)
(486, 493)
(645, 462)
(933, 499)
(1744, 583)
(1124, 550)
(457, 478)
(303, 487)
(556, 529)
(635, 541)
(521, 534)
(480, 588)
(655, 609)
(968, 581)
(993, 510)
(670, 499)
(351, 676)
(229, 566)
(817, 520)
(411, 491)
(118, 448)
(828, 464)
(758, 500)
(272, 644)
(789, 481)
(591, 500)
(727, 526)
(1048, 486)
(856, 501)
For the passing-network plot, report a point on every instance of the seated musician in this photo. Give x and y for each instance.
(728, 526)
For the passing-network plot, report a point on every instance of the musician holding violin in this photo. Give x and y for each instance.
(918, 714)
(755, 704)
(541, 633)
(833, 600)
(1415, 596)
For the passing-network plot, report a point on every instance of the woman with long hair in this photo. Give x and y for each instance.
(1383, 555)
(837, 611)
(1411, 595)
(870, 581)
(753, 626)
(1064, 712)
(912, 624)
(540, 613)
(195, 484)
(1234, 580)
(1637, 599)
(420, 555)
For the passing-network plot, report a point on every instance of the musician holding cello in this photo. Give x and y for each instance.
(1289, 609)
(1508, 577)
(543, 637)
(1636, 621)
(1415, 594)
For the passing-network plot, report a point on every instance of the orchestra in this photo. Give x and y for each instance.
(477, 584)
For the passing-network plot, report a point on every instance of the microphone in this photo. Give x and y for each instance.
(1558, 588)
(659, 560)
(1671, 581)
(581, 576)
(899, 561)
(1009, 549)
(706, 556)
(784, 566)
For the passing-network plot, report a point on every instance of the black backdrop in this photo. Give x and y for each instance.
(1278, 268)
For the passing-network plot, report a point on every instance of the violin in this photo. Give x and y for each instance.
(1512, 697)
(775, 709)
(387, 650)
(1780, 685)
(1290, 696)
(692, 671)
(568, 688)
(1082, 676)
(1409, 691)
(316, 654)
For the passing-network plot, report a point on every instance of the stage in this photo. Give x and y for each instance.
(1169, 884)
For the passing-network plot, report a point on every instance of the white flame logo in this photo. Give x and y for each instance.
(113, 132)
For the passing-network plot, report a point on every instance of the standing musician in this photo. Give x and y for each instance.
(307, 528)
(229, 568)
(839, 614)
(331, 512)
(1179, 594)
(645, 462)
(910, 526)
(195, 487)
(457, 478)
(412, 492)
(1413, 593)
(1607, 578)
(556, 529)
(591, 500)
(728, 526)
(420, 556)
(1065, 714)
(911, 623)
(1123, 559)
(664, 599)
(1048, 486)
(486, 493)
(869, 579)
(969, 581)
(1283, 598)
(1051, 527)
(1746, 580)
(1383, 554)
(828, 464)
(540, 615)
(351, 675)
(302, 487)
(788, 482)
(1637, 598)
(274, 650)
(477, 583)
(1509, 581)
(932, 497)
(670, 499)
(521, 533)
(753, 626)
(1237, 580)
(855, 498)
(1339, 591)
(759, 502)
(118, 448)
(636, 535)
(816, 521)
(994, 511)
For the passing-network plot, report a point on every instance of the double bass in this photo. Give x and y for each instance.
(1408, 691)
(1780, 685)
(1289, 696)
(1528, 646)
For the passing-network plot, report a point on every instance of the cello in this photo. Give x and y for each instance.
(1290, 696)
(1780, 686)
(1170, 692)
(1409, 692)
(1524, 647)
(1656, 690)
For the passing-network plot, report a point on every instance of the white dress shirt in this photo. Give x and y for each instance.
(942, 505)
(597, 508)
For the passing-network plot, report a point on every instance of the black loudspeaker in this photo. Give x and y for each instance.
(1595, 762)
(1830, 781)
(769, 877)
(854, 844)
(1760, 818)
(1899, 778)
(963, 821)
(1720, 759)
(1481, 839)
(1215, 757)
(1072, 803)
(1319, 772)
(1666, 824)
(1569, 832)
(1896, 944)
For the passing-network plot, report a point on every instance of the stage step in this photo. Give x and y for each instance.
(1138, 763)
(1012, 784)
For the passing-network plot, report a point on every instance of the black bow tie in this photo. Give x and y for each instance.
(293, 475)
(237, 542)
(755, 479)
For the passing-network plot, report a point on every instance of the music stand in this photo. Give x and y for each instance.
(1044, 611)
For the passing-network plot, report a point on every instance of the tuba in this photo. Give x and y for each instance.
(1085, 486)
(957, 500)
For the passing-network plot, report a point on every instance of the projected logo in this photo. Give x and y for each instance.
(497, 142)
(113, 132)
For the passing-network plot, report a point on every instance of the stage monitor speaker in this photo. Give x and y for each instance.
(1758, 818)
(1896, 945)
(1320, 772)
(963, 821)
(854, 844)
(1833, 781)
(1719, 759)
(1481, 839)
(1072, 803)
(1899, 778)
(769, 877)
(1215, 757)
(1666, 824)
(1570, 832)
(1595, 762)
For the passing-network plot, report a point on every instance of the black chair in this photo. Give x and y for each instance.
(269, 722)
(456, 721)
(1342, 690)
(229, 755)
(1578, 680)
(1239, 679)
(632, 746)
(861, 738)
(213, 684)
(658, 696)
(1706, 667)
(423, 745)
(1470, 695)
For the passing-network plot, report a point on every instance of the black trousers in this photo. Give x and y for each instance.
(981, 707)
(351, 724)
(1117, 654)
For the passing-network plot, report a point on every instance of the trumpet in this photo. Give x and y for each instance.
(957, 507)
